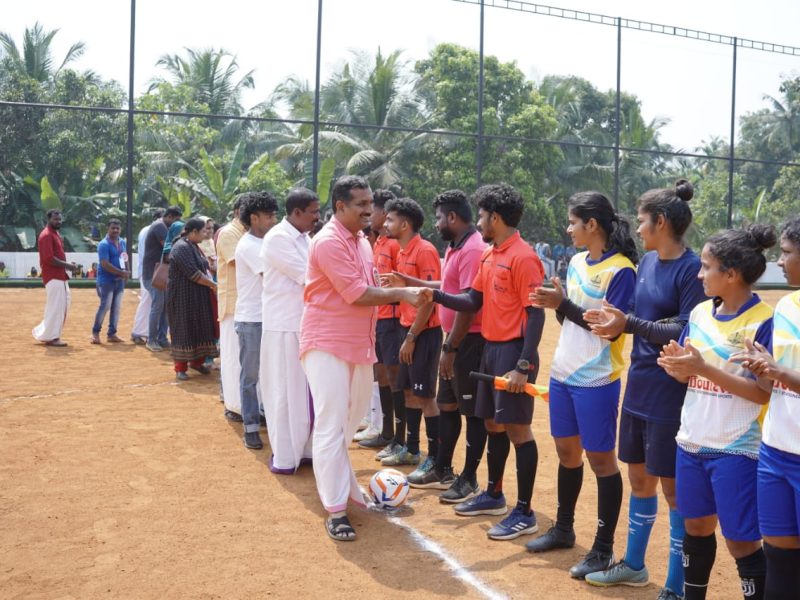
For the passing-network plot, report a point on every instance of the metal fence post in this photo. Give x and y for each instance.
(733, 140)
(479, 145)
(618, 113)
(129, 148)
(315, 158)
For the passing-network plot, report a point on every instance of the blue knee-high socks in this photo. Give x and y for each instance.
(677, 531)
(641, 516)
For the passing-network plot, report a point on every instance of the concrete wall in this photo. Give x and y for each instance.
(19, 264)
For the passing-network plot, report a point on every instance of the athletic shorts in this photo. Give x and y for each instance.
(514, 409)
(388, 339)
(421, 375)
(642, 441)
(590, 412)
(719, 485)
(461, 389)
(778, 492)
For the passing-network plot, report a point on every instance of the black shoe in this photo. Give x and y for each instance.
(252, 440)
(139, 340)
(262, 420)
(376, 442)
(459, 491)
(232, 416)
(552, 540)
(202, 369)
(591, 563)
(181, 376)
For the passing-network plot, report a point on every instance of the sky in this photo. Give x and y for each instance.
(684, 81)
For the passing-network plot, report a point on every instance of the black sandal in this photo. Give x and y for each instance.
(340, 529)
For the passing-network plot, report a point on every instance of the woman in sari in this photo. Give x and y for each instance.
(191, 317)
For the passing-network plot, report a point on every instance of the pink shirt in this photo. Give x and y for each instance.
(340, 268)
(461, 264)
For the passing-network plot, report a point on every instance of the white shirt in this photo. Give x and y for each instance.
(249, 269)
(284, 254)
(140, 249)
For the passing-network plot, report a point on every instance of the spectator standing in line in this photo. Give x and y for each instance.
(111, 277)
(141, 320)
(258, 213)
(154, 243)
(229, 367)
(284, 388)
(53, 261)
(3, 271)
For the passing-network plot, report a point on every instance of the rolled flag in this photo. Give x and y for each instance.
(501, 383)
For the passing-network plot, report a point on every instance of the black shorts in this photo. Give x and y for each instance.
(388, 339)
(642, 441)
(515, 409)
(421, 375)
(461, 389)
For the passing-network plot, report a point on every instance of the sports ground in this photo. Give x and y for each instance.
(116, 482)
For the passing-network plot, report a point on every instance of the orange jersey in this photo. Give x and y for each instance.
(508, 273)
(385, 253)
(419, 259)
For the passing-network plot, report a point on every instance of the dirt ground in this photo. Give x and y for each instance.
(117, 482)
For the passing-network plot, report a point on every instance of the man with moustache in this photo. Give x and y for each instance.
(54, 266)
(337, 343)
(284, 388)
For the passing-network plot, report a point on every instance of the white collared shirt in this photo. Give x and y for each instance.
(284, 252)
(248, 279)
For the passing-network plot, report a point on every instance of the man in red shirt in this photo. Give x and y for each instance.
(388, 338)
(512, 329)
(54, 265)
(422, 334)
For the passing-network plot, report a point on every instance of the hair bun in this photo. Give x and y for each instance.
(764, 235)
(684, 190)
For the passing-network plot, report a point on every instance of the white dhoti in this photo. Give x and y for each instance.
(141, 320)
(287, 400)
(341, 392)
(229, 365)
(375, 413)
(55, 311)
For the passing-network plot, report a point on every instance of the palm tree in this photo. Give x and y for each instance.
(366, 91)
(212, 74)
(36, 58)
(783, 120)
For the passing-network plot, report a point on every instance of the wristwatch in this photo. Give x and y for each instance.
(411, 337)
(448, 348)
(523, 366)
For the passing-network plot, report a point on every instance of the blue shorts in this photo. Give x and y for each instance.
(778, 492)
(653, 444)
(590, 412)
(719, 485)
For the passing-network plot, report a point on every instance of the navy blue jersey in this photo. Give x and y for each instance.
(665, 289)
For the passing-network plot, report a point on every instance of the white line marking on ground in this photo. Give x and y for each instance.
(458, 571)
(86, 390)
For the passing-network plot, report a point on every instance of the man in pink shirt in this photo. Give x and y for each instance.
(337, 342)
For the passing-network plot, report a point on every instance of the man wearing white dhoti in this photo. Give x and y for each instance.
(54, 266)
(229, 367)
(337, 343)
(141, 322)
(284, 389)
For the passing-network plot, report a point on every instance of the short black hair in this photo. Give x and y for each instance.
(454, 201)
(53, 211)
(193, 224)
(158, 213)
(237, 203)
(742, 250)
(300, 198)
(408, 209)
(114, 222)
(502, 199)
(344, 185)
(791, 231)
(257, 202)
(173, 211)
(381, 197)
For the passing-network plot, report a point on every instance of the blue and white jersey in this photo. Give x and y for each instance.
(583, 359)
(713, 420)
(782, 423)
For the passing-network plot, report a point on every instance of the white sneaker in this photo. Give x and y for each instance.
(366, 434)
(365, 424)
